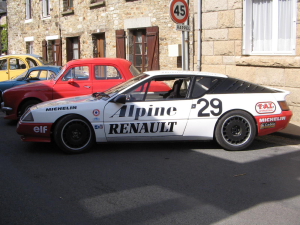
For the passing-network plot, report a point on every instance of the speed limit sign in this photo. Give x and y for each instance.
(179, 11)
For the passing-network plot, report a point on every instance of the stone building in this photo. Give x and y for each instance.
(234, 38)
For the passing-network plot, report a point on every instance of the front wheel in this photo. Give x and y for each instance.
(26, 105)
(74, 134)
(235, 131)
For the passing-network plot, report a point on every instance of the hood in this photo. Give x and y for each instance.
(66, 101)
(45, 84)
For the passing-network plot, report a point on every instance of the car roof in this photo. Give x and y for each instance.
(32, 55)
(183, 72)
(45, 67)
(102, 60)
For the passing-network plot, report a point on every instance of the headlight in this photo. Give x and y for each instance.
(27, 116)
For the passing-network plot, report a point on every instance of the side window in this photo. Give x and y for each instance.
(77, 73)
(202, 85)
(43, 74)
(161, 90)
(106, 72)
(51, 75)
(31, 62)
(3, 64)
(16, 64)
(34, 75)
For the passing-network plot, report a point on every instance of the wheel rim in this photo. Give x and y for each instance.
(236, 130)
(76, 134)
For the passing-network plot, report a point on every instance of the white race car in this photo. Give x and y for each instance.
(161, 106)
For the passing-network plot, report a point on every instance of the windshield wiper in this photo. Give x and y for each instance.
(100, 95)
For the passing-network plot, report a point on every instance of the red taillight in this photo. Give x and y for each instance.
(284, 106)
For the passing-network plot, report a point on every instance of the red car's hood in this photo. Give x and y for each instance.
(45, 84)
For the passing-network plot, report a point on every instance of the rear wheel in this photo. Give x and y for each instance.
(74, 134)
(235, 131)
(26, 105)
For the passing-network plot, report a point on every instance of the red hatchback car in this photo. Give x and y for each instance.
(77, 77)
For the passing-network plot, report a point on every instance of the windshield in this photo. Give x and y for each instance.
(20, 77)
(135, 72)
(126, 84)
(60, 72)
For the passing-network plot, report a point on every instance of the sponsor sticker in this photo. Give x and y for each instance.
(267, 125)
(272, 119)
(96, 112)
(40, 129)
(61, 108)
(98, 127)
(265, 107)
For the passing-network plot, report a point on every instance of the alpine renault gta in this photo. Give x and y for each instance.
(195, 106)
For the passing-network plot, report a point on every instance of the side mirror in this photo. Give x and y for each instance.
(120, 99)
(71, 81)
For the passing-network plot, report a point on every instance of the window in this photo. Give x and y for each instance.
(269, 27)
(143, 47)
(29, 47)
(77, 73)
(68, 5)
(98, 45)
(138, 49)
(31, 62)
(73, 48)
(52, 51)
(106, 72)
(16, 64)
(28, 10)
(46, 8)
(160, 89)
(3, 64)
(202, 85)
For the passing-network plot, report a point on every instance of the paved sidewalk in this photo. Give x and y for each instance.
(292, 130)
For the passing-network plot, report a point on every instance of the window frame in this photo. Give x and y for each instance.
(248, 30)
(28, 10)
(45, 8)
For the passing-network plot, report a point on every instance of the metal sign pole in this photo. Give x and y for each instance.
(183, 51)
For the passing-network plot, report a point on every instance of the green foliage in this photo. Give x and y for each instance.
(4, 37)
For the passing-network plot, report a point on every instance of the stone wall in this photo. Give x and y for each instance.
(84, 21)
(222, 36)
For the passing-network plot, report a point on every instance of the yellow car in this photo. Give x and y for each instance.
(14, 65)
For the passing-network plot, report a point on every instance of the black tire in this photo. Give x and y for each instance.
(26, 105)
(74, 134)
(235, 131)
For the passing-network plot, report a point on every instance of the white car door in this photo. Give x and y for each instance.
(152, 110)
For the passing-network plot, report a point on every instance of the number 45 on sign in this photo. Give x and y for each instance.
(179, 11)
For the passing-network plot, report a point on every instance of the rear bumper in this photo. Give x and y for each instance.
(35, 132)
(272, 123)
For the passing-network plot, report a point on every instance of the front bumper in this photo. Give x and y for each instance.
(35, 132)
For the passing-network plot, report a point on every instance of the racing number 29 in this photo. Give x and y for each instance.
(214, 103)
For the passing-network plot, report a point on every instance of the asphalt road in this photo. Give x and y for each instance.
(149, 183)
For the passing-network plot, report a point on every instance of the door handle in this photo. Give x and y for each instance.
(87, 86)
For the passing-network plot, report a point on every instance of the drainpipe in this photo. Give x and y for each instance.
(199, 34)
(186, 44)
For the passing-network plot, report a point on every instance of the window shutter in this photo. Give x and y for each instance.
(153, 48)
(44, 50)
(69, 49)
(120, 44)
(58, 52)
